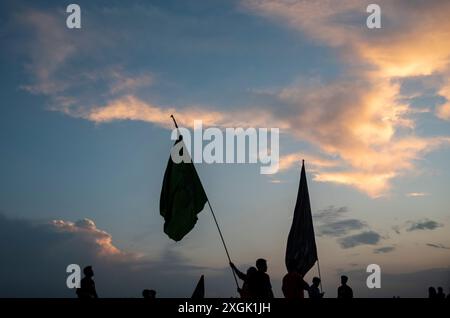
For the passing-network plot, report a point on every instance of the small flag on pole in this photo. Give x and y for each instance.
(182, 196)
(301, 250)
(199, 292)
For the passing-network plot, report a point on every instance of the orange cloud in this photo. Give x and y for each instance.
(87, 231)
(413, 39)
(443, 111)
(359, 118)
(132, 108)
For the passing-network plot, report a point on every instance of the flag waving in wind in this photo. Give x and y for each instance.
(182, 196)
(301, 251)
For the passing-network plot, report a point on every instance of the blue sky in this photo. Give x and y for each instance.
(84, 132)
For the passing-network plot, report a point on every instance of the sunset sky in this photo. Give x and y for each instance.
(85, 138)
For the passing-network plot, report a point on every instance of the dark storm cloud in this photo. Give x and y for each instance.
(340, 228)
(441, 246)
(364, 238)
(331, 222)
(424, 225)
(330, 213)
(385, 249)
(35, 257)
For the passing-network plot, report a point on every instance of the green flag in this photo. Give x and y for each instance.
(182, 196)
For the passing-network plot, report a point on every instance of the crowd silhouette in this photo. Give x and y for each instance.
(432, 294)
(256, 285)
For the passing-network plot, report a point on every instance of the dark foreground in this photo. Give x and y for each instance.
(224, 307)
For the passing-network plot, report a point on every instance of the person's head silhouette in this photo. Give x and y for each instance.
(316, 281)
(149, 294)
(431, 292)
(88, 272)
(440, 290)
(261, 265)
(344, 280)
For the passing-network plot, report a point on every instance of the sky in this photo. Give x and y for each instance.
(85, 139)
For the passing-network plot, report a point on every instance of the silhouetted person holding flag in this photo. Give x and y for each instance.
(87, 285)
(248, 287)
(294, 285)
(344, 291)
(440, 294)
(314, 291)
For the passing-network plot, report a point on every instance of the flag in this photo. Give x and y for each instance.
(199, 292)
(182, 196)
(301, 251)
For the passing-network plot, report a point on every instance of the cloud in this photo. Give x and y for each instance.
(383, 250)
(330, 213)
(417, 194)
(340, 228)
(424, 225)
(313, 162)
(47, 51)
(364, 238)
(443, 111)
(359, 123)
(123, 83)
(440, 246)
(130, 107)
(331, 222)
(401, 48)
(36, 255)
(371, 128)
(86, 231)
(54, 53)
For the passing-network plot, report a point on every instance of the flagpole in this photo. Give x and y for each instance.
(223, 241)
(320, 276)
(214, 217)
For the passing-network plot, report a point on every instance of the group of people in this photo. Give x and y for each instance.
(432, 294)
(256, 284)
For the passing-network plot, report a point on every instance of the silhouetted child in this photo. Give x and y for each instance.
(149, 294)
(294, 285)
(314, 291)
(344, 291)
(87, 286)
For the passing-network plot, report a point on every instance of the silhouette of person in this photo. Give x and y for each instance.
(432, 293)
(87, 285)
(149, 294)
(294, 285)
(263, 287)
(344, 291)
(314, 291)
(248, 287)
(440, 294)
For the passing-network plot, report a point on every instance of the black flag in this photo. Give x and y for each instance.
(182, 196)
(301, 251)
(199, 292)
